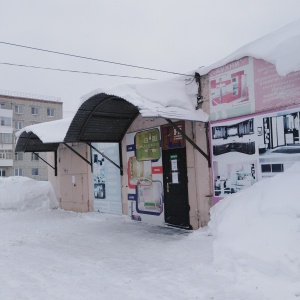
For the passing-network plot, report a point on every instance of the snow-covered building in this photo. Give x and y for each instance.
(164, 152)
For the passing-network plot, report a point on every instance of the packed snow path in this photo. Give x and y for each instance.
(63, 255)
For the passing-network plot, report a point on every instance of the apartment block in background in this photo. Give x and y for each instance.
(18, 110)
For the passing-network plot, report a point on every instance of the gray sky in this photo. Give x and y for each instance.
(173, 35)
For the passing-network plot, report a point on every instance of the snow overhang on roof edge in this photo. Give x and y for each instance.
(175, 98)
(281, 48)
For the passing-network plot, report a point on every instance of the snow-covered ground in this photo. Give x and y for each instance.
(249, 251)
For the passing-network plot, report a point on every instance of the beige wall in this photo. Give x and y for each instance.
(75, 196)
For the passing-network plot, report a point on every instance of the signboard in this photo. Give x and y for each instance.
(249, 149)
(250, 85)
(230, 86)
(107, 179)
(147, 145)
(171, 137)
(272, 90)
(144, 169)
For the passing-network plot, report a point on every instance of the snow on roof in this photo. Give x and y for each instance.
(281, 48)
(49, 132)
(173, 98)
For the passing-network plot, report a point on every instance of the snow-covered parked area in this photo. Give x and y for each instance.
(249, 251)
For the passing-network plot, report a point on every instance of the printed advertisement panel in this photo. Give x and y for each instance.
(230, 90)
(249, 149)
(144, 168)
(107, 179)
(272, 90)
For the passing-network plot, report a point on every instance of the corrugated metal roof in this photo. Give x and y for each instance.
(30, 142)
(101, 118)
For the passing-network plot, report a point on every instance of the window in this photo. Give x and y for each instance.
(5, 138)
(272, 168)
(50, 112)
(18, 172)
(18, 109)
(34, 110)
(5, 154)
(34, 171)
(18, 156)
(18, 125)
(34, 156)
(5, 121)
(2, 173)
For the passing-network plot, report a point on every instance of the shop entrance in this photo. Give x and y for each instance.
(176, 202)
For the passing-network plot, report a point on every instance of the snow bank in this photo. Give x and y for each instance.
(259, 228)
(22, 193)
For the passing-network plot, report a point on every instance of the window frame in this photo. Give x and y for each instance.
(35, 173)
(20, 125)
(51, 112)
(18, 109)
(18, 172)
(34, 157)
(35, 110)
(3, 139)
(19, 156)
(3, 121)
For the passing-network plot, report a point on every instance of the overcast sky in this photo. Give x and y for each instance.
(172, 35)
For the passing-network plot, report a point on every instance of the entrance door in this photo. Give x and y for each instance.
(176, 204)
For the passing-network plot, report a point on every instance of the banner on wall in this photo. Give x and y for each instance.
(249, 149)
(107, 179)
(272, 90)
(248, 86)
(229, 89)
(145, 181)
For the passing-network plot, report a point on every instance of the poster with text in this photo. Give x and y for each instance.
(272, 90)
(107, 178)
(145, 180)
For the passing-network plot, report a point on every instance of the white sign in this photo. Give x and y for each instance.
(174, 165)
(175, 177)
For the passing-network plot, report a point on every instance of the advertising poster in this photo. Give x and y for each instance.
(230, 90)
(144, 165)
(246, 150)
(272, 90)
(107, 179)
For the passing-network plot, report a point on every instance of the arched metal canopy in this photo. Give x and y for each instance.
(101, 118)
(30, 142)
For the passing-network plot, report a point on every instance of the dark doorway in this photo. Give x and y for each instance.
(175, 179)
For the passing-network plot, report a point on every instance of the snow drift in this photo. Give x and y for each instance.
(22, 193)
(259, 227)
